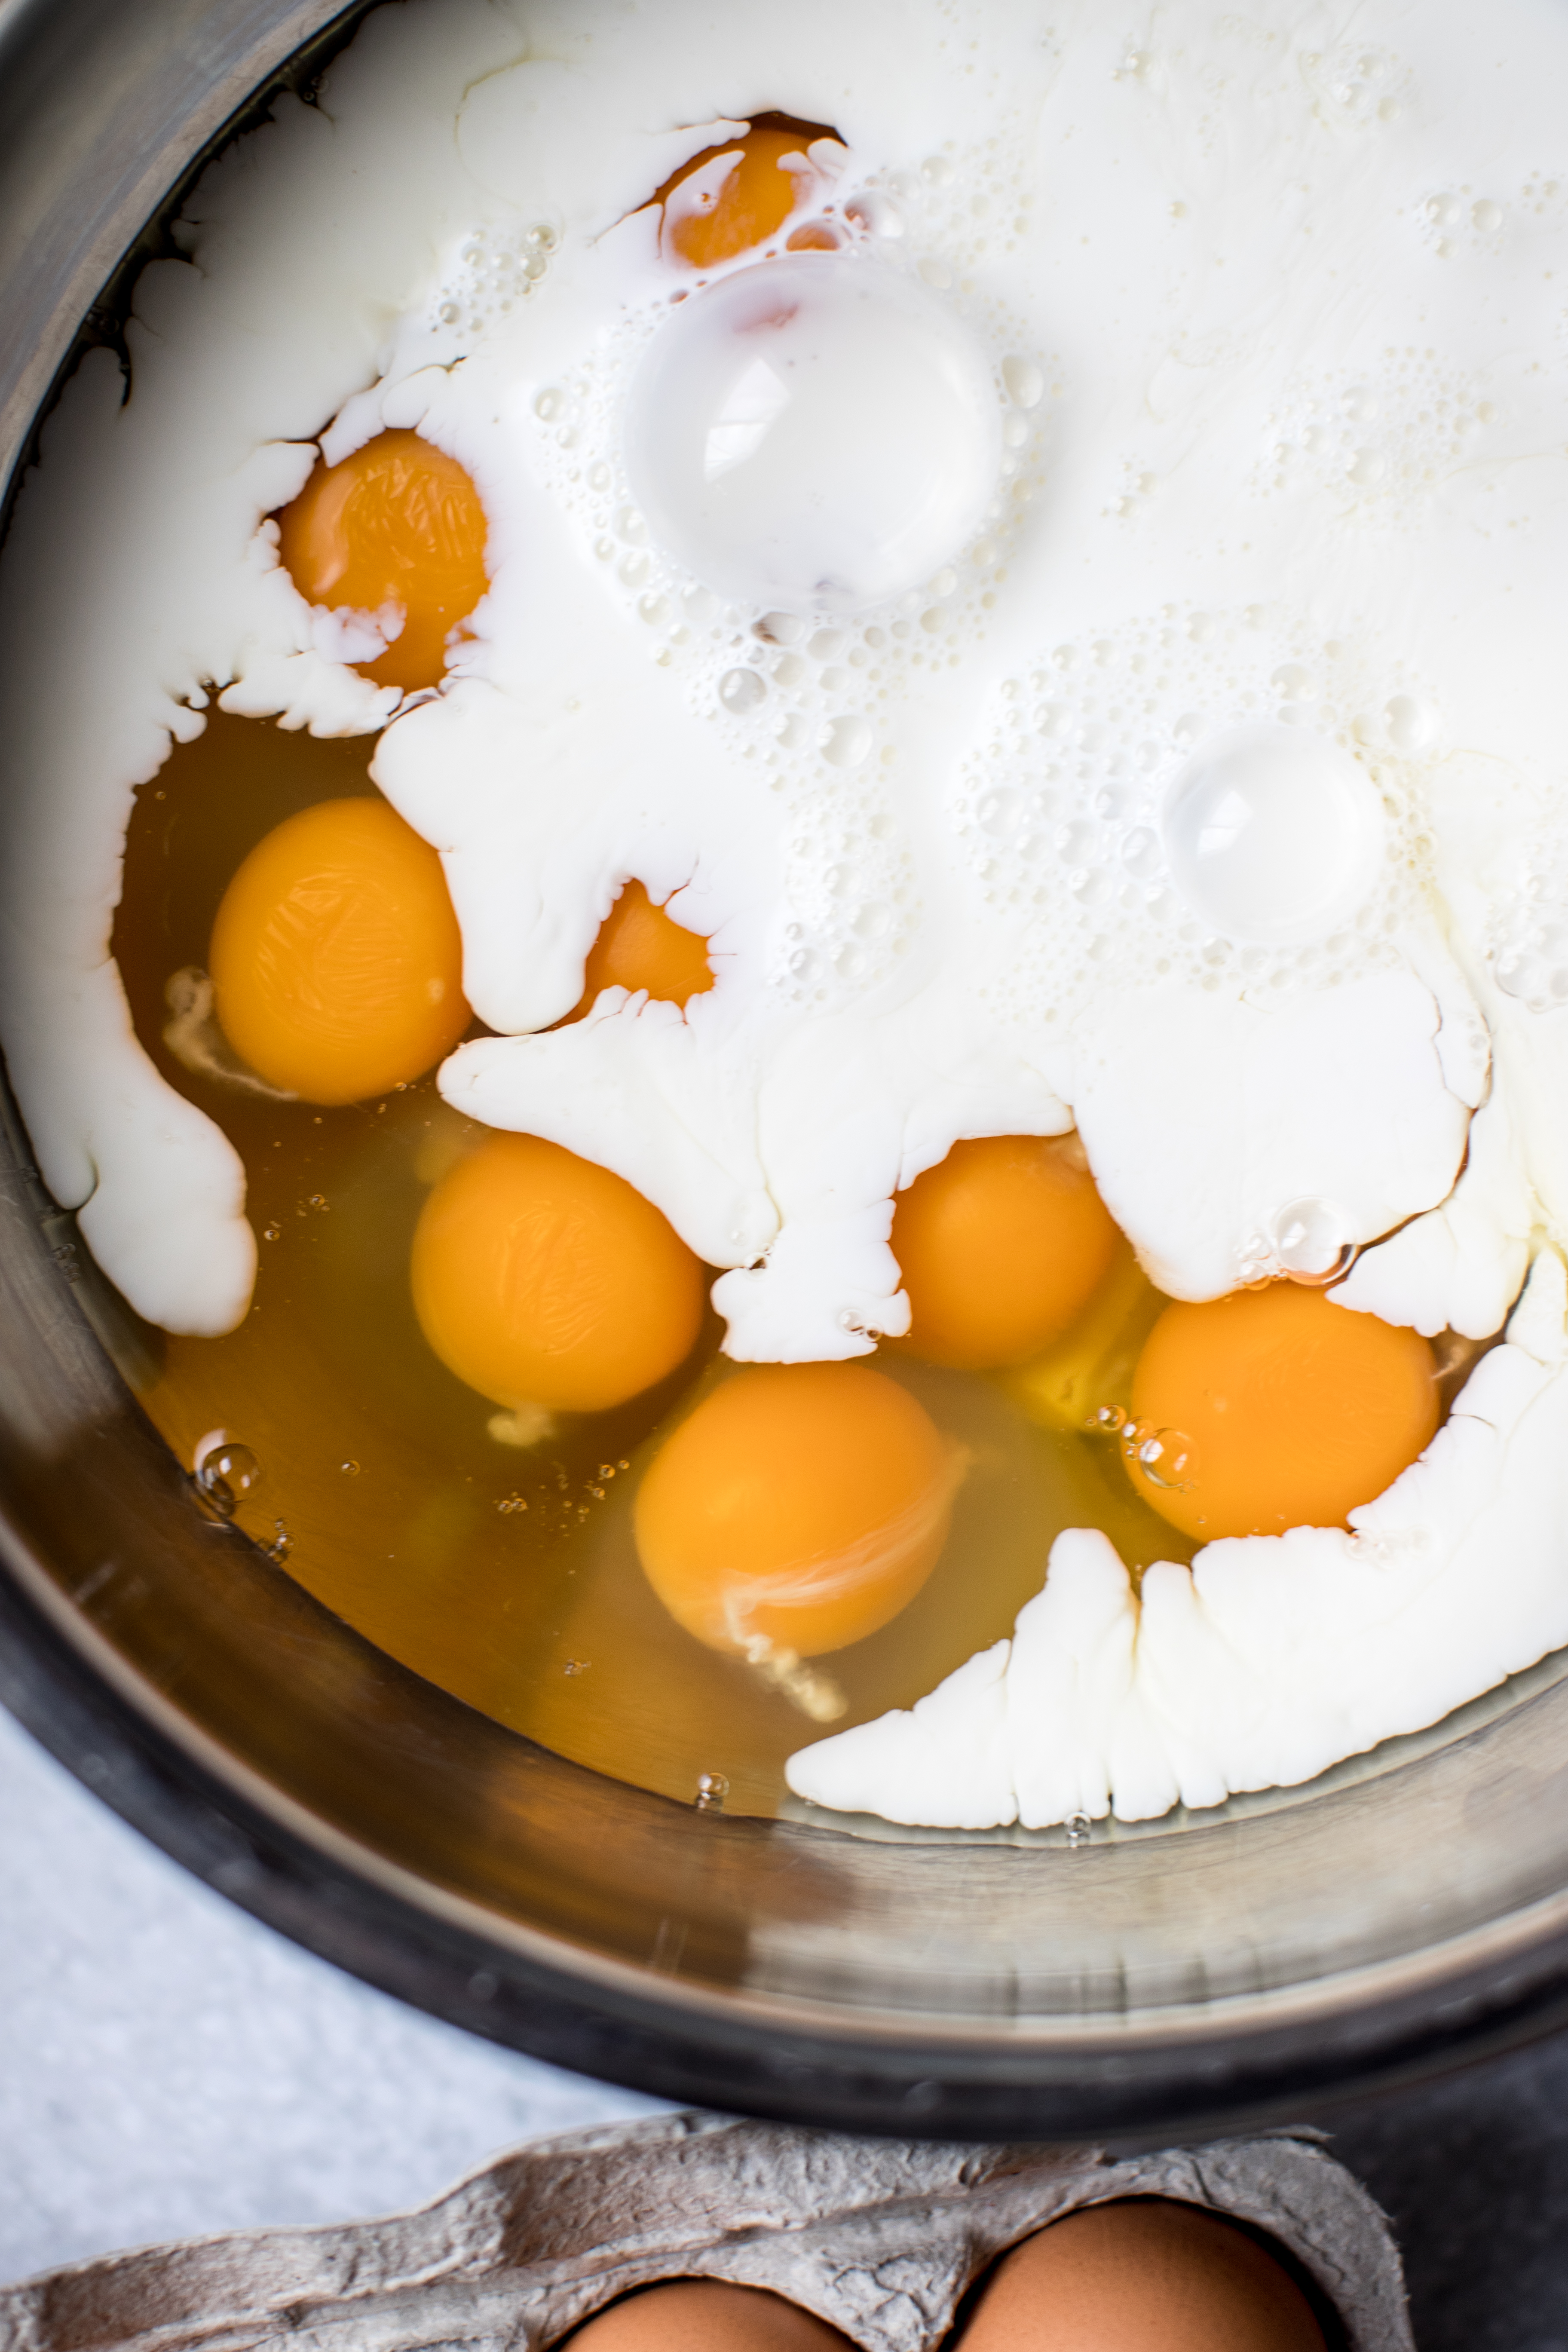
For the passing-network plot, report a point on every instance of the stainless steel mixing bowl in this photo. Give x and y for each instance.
(1409, 1909)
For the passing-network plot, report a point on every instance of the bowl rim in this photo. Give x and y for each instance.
(1254, 2058)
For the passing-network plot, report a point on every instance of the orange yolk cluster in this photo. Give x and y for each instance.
(641, 947)
(1000, 1248)
(801, 1504)
(1275, 1408)
(540, 1280)
(751, 204)
(398, 523)
(336, 963)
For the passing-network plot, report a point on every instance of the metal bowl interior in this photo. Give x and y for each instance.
(1402, 1912)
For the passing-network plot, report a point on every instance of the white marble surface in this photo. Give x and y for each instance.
(168, 2066)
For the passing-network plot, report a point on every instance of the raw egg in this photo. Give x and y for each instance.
(336, 963)
(641, 946)
(801, 1505)
(711, 213)
(1000, 1248)
(1275, 1408)
(395, 529)
(1144, 2271)
(540, 1280)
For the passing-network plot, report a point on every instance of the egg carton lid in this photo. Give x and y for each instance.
(880, 2238)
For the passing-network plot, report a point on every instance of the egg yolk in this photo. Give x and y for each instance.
(398, 523)
(801, 1505)
(336, 963)
(752, 202)
(1001, 1247)
(640, 946)
(540, 1280)
(1275, 1408)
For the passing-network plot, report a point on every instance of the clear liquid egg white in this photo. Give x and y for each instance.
(1078, 766)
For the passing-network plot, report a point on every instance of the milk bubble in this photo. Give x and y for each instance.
(1141, 854)
(813, 434)
(843, 742)
(1272, 835)
(742, 689)
(1026, 385)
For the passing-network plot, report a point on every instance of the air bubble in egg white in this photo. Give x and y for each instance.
(812, 434)
(1272, 835)
(225, 1473)
(1311, 1240)
(1167, 1458)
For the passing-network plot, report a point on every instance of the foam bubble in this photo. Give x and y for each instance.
(1272, 835)
(817, 434)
